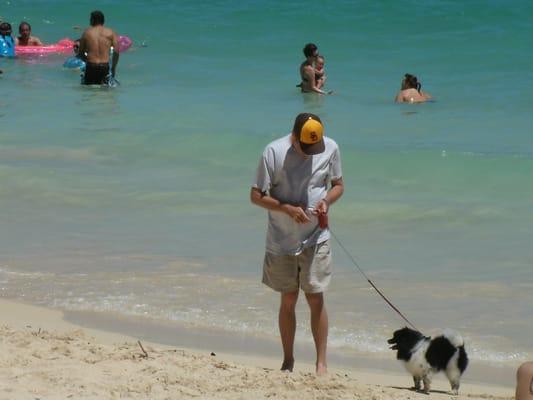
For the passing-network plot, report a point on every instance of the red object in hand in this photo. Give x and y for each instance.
(323, 220)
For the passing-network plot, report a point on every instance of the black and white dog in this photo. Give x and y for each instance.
(423, 356)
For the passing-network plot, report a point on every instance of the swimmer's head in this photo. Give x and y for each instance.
(97, 18)
(5, 29)
(310, 50)
(411, 82)
(76, 46)
(319, 62)
(308, 133)
(25, 29)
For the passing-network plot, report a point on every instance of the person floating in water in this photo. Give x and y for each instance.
(7, 43)
(95, 48)
(25, 38)
(410, 91)
(307, 70)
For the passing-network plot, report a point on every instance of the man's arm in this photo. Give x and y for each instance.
(82, 50)
(116, 54)
(336, 191)
(270, 203)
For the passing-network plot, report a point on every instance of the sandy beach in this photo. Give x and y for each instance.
(45, 357)
(128, 209)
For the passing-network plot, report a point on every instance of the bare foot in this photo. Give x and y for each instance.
(321, 369)
(287, 365)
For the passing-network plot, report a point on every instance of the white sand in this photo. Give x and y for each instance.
(44, 357)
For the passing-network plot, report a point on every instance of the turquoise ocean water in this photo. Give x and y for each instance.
(135, 200)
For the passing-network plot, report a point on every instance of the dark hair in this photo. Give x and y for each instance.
(24, 23)
(301, 119)
(411, 82)
(5, 27)
(310, 49)
(97, 18)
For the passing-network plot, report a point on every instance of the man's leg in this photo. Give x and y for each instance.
(524, 381)
(287, 328)
(319, 327)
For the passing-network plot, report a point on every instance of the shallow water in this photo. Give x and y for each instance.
(135, 200)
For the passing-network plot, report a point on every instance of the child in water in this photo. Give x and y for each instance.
(7, 43)
(320, 72)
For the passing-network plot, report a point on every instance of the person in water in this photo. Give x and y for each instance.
(7, 43)
(25, 38)
(411, 91)
(320, 72)
(307, 70)
(5, 29)
(76, 47)
(94, 49)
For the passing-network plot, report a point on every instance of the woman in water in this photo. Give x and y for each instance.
(307, 70)
(411, 92)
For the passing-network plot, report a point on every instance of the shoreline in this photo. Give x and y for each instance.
(250, 355)
(266, 349)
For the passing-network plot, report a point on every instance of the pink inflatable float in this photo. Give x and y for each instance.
(124, 43)
(64, 46)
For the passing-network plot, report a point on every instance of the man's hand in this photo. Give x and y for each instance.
(296, 213)
(321, 208)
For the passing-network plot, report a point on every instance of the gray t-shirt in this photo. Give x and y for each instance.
(290, 178)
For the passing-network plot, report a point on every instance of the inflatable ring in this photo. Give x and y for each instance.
(64, 46)
(124, 43)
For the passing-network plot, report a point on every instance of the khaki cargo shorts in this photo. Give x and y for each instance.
(310, 270)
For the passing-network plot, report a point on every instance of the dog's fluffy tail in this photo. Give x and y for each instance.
(454, 338)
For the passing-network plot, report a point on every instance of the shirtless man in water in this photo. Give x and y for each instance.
(95, 45)
(25, 38)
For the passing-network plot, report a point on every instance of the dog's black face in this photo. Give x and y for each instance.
(404, 340)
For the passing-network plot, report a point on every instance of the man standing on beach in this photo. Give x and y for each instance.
(95, 46)
(292, 184)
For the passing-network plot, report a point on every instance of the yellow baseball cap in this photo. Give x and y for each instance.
(310, 133)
